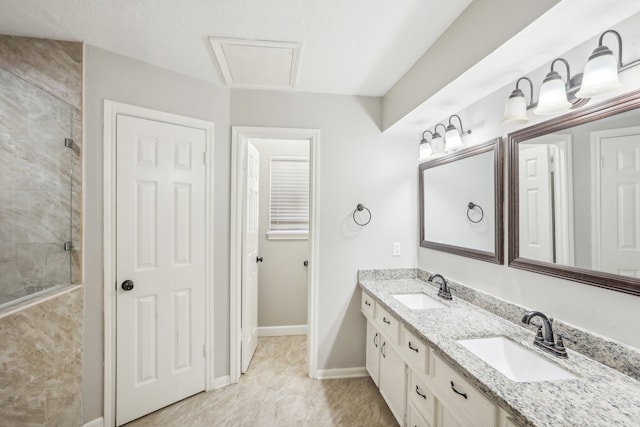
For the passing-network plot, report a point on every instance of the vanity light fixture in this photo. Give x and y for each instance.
(437, 142)
(553, 93)
(601, 72)
(425, 147)
(452, 136)
(515, 110)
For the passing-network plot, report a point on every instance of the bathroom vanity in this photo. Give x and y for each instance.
(417, 356)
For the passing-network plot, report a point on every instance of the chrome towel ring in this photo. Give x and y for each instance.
(471, 206)
(361, 208)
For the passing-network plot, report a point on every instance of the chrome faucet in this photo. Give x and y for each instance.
(545, 341)
(444, 291)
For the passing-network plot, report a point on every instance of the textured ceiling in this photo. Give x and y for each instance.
(348, 46)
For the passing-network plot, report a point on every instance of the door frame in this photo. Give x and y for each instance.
(111, 111)
(239, 138)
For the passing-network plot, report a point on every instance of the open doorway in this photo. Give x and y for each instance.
(273, 244)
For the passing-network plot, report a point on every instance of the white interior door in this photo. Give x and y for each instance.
(250, 257)
(620, 203)
(160, 222)
(535, 214)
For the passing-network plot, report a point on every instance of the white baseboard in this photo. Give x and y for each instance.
(277, 331)
(98, 422)
(329, 374)
(221, 382)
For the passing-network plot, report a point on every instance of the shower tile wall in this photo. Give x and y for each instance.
(41, 351)
(41, 363)
(40, 179)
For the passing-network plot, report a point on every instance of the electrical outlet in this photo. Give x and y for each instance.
(396, 249)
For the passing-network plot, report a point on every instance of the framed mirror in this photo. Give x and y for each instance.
(574, 196)
(461, 196)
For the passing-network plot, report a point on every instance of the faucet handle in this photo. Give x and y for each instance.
(560, 342)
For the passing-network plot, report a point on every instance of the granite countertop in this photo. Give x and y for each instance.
(598, 396)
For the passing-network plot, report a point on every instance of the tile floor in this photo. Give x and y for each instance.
(277, 392)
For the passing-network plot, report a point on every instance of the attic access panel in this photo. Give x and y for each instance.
(253, 63)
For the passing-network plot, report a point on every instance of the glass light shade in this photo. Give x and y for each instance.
(515, 110)
(437, 144)
(452, 137)
(425, 150)
(600, 74)
(553, 96)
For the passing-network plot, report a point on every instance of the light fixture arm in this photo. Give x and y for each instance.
(436, 128)
(564, 61)
(615, 33)
(531, 103)
(423, 139)
(621, 66)
(462, 131)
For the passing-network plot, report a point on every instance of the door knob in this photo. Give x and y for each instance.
(127, 285)
(259, 259)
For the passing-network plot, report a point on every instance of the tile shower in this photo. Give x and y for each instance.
(41, 303)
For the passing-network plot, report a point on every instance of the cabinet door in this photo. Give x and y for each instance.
(445, 419)
(392, 379)
(373, 352)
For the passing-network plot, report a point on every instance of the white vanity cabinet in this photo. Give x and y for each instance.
(392, 378)
(420, 388)
(461, 398)
(373, 352)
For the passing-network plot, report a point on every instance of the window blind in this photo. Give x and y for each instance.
(289, 195)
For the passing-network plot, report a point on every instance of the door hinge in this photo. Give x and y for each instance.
(204, 350)
(601, 162)
(204, 158)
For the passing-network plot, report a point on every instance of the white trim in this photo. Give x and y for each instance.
(98, 422)
(331, 374)
(596, 237)
(111, 110)
(221, 382)
(280, 331)
(239, 138)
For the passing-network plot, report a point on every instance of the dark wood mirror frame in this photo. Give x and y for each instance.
(599, 111)
(497, 256)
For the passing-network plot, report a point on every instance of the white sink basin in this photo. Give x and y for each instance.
(515, 361)
(418, 301)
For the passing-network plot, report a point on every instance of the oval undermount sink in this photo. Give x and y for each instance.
(418, 301)
(515, 361)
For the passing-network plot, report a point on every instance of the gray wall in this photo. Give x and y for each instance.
(282, 278)
(117, 78)
(357, 164)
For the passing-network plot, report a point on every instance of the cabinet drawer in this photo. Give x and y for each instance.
(421, 396)
(367, 305)
(456, 393)
(415, 352)
(388, 325)
(415, 418)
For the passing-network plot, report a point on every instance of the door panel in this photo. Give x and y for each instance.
(620, 204)
(535, 203)
(160, 195)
